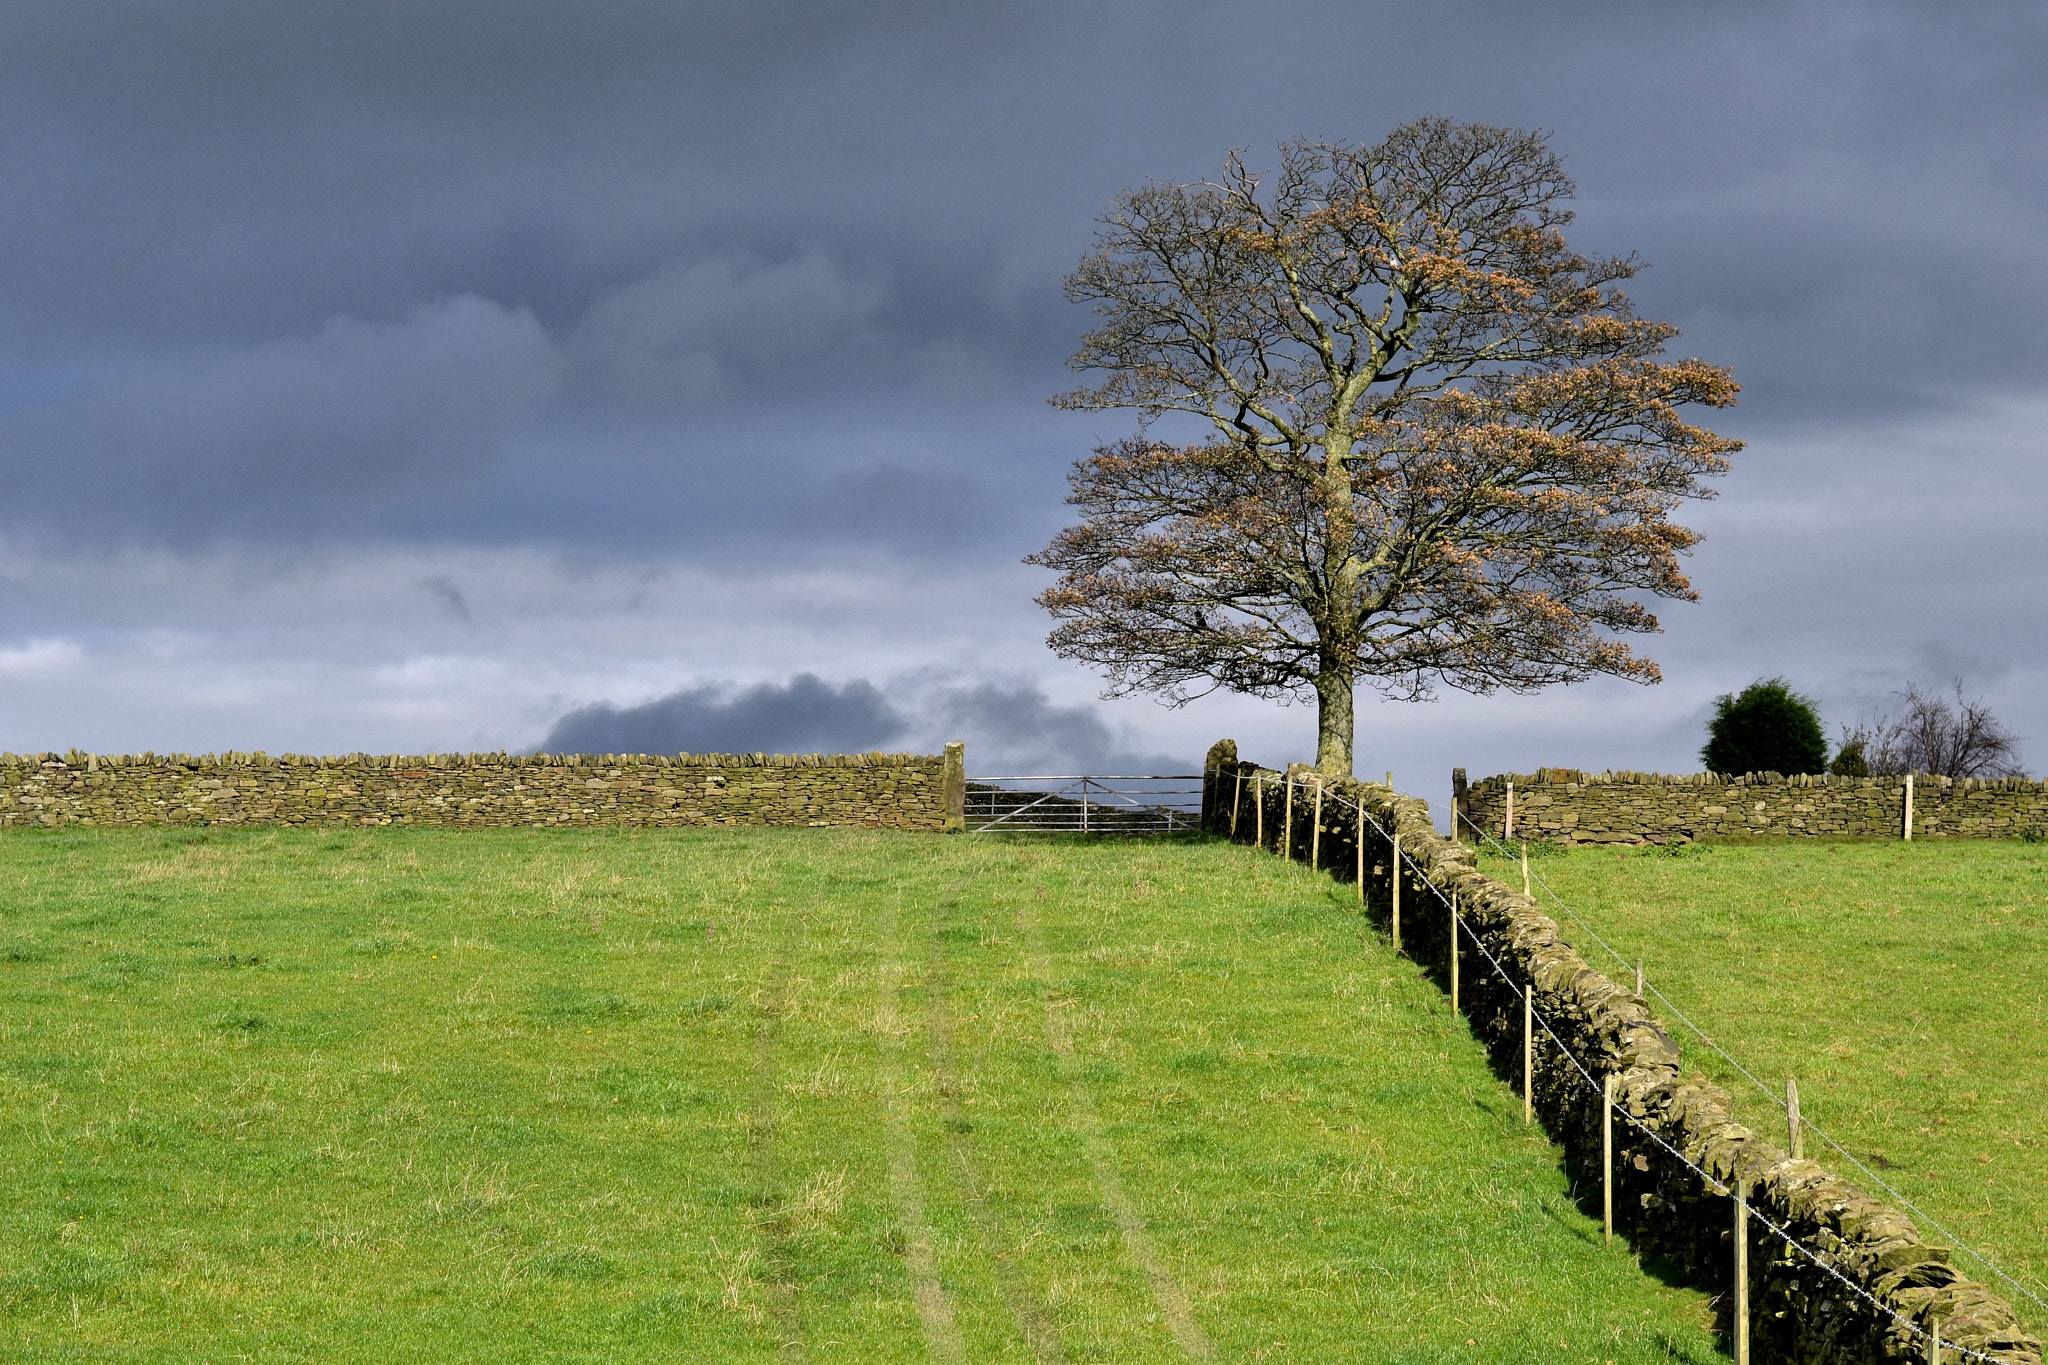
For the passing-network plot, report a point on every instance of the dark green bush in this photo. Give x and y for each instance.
(1765, 728)
(1852, 761)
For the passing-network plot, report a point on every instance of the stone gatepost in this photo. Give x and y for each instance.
(955, 787)
(1222, 758)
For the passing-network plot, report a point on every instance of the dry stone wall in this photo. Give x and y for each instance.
(1569, 806)
(1863, 1270)
(882, 791)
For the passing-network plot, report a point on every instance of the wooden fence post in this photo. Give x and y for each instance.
(1454, 952)
(1607, 1158)
(1508, 825)
(1315, 843)
(1528, 1053)
(1236, 799)
(1792, 1124)
(1397, 890)
(1358, 843)
(1258, 810)
(1934, 1342)
(1287, 826)
(1525, 870)
(1639, 978)
(1909, 808)
(1742, 1272)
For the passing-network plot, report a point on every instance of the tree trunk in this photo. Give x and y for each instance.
(1334, 721)
(1335, 631)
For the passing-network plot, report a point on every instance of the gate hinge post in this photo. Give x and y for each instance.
(953, 794)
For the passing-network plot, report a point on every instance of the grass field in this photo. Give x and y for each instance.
(1902, 984)
(756, 1095)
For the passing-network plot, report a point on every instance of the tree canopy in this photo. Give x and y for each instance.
(1440, 445)
(1765, 728)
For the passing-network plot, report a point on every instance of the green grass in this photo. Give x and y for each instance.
(512, 1096)
(1900, 983)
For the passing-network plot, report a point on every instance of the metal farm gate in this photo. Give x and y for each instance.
(1154, 803)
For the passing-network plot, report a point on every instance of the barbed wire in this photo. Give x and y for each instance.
(1912, 1328)
(1776, 1098)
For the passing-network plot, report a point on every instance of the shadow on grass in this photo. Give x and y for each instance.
(1504, 1063)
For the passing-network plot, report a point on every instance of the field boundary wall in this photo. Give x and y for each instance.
(1565, 805)
(1864, 1285)
(497, 791)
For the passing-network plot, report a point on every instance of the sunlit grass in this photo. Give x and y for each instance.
(505, 1096)
(1901, 984)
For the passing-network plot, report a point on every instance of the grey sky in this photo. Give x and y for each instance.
(381, 376)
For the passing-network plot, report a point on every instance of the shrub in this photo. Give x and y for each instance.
(1765, 728)
(1852, 761)
(1934, 735)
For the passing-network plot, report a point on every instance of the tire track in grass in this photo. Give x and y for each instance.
(1087, 1125)
(920, 1255)
(776, 1277)
(1030, 1317)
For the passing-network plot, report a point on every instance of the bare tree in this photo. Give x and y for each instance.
(1932, 734)
(1442, 446)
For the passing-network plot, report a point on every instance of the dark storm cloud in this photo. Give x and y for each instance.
(758, 289)
(450, 595)
(394, 269)
(802, 716)
(208, 170)
(1013, 727)
(1009, 727)
(306, 430)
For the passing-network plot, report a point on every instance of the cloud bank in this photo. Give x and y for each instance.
(418, 382)
(804, 715)
(1010, 729)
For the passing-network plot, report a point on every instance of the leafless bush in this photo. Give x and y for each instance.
(1932, 734)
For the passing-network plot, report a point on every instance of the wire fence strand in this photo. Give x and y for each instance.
(1775, 1097)
(1913, 1329)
